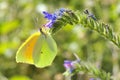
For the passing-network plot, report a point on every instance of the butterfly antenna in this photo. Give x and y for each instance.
(35, 19)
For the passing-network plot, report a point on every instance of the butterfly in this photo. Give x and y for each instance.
(39, 49)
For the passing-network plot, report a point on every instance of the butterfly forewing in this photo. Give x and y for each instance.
(25, 52)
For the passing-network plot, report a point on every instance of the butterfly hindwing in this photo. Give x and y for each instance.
(46, 54)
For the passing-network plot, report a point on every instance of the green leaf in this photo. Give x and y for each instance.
(8, 26)
(19, 78)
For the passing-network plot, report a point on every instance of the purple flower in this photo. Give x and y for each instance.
(61, 11)
(91, 79)
(50, 16)
(67, 64)
(90, 14)
(70, 65)
(49, 24)
(53, 17)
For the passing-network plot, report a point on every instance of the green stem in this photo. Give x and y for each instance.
(102, 28)
(74, 18)
(87, 67)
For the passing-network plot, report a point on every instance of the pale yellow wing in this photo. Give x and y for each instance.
(25, 52)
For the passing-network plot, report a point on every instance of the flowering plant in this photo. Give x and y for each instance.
(62, 17)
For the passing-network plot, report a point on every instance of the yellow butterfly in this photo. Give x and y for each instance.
(39, 49)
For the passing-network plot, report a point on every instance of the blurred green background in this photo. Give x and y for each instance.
(20, 18)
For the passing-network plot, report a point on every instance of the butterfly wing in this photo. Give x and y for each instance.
(45, 55)
(25, 52)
